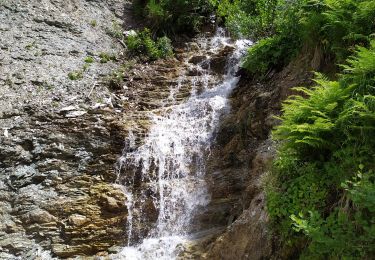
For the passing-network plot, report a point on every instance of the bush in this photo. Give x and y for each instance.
(336, 26)
(269, 53)
(322, 187)
(173, 16)
(142, 44)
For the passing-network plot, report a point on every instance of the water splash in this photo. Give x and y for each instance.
(171, 159)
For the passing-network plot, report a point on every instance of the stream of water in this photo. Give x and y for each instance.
(171, 157)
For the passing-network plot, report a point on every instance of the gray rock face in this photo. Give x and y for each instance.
(43, 41)
(58, 147)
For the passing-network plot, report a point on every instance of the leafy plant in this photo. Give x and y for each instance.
(116, 30)
(93, 23)
(106, 57)
(173, 16)
(89, 59)
(269, 53)
(142, 44)
(75, 75)
(316, 193)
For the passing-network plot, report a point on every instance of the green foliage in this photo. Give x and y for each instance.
(116, 78)
(75, 75)
(31, 45)
(360, 69)
(116, 30)
(347, 23)
(89, 59)
(343, 233)
(142, 44)
(248, 18)
(273, 22)
(308, 124)
(315, 192)
(93, 23)
(173, 16)
(106, 57)
(336, 26)
(269, 53)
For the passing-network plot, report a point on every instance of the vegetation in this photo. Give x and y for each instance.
(116, 79)
(336, 26)
(93, 23)
(116, 30)
(322, 188)
(89, 59)
(75, 75)
(173, 16)
(106, 57)
(142, 44)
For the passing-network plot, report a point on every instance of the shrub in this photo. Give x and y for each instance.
(173, 16)
(164, 45)
(269, 53)
(142, 44)
(336, 26)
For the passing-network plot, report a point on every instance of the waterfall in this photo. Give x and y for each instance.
(170, 160)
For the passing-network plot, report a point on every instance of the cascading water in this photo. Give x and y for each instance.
(170, 161)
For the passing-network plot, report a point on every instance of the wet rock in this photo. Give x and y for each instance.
(197, 59)
(217, 61)
(240, 160)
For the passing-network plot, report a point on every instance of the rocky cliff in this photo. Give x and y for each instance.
(60, 136)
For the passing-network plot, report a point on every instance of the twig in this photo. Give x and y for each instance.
(92, 89)
(122, 43)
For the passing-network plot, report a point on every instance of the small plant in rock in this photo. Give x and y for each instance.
(93, 23)
(8, 81)
(30, 45)
(117, 77)
(116, 30)
(106, 57)
(75, 75)
(89, 59)
(164, 45)
(86, 67)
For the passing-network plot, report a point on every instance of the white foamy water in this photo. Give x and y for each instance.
(171, 159)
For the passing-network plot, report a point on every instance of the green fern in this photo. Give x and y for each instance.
(315, 192)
